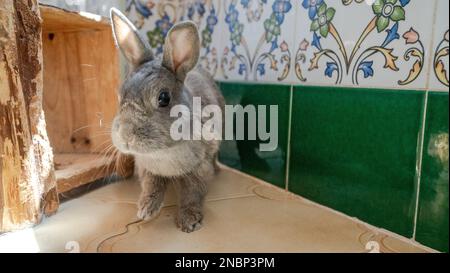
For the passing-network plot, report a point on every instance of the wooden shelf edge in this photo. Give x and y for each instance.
(56, 19)
(75, 170)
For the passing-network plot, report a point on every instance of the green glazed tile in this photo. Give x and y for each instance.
(432, 224)
(354, 150)
(245, 155)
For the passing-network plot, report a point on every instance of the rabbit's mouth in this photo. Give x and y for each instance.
(133, 146)
(124, 145)
(121, 137)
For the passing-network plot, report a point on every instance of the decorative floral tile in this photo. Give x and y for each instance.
(372, 43)
(440, 69)
(259, 34)
(384, 43)
(154, 18)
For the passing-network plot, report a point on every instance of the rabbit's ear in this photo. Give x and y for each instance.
(128, 39)
(182, 49)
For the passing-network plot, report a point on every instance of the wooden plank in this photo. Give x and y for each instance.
(63, 96)
(60, 20)
(75, 170)
(81, 80)
(100, 72)
(27, 180)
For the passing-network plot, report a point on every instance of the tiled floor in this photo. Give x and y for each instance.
(242, 214)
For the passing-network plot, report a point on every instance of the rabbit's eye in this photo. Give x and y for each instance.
(164, 99)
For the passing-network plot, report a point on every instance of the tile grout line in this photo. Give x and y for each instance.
(419, 164)
(288, 148)
(421, 144)
(342, 86)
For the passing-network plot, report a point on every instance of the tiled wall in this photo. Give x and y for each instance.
(380, 155)
(100, 7)
(400, 44)
(362, 89)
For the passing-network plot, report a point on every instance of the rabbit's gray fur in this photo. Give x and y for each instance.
(142, 129)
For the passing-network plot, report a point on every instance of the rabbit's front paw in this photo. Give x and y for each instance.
(189, 220)
(148, 207)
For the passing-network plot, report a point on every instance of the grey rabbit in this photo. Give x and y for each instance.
(142, 126)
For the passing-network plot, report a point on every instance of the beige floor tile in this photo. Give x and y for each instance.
(248, 224)
(227, 184)
(242, 214)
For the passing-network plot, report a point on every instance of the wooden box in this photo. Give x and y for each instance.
(81, 79)
(59, 75)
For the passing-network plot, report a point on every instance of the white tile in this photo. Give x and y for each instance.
(350, 22)
(300, 47)
(154, 19)
(253, 57)
(292, 65)
(210, 59)
(439, 80)
(207, 15)
(147, 15)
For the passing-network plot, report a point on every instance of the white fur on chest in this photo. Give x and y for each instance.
(175, 161)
